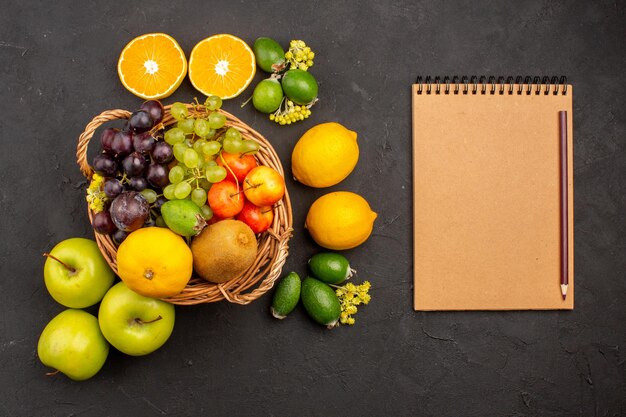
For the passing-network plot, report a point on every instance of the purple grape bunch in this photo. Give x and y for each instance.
(133, 162)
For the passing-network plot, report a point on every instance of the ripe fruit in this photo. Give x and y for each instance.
(138, 183)
(140, 121)
(325, 155)
(162, 153)
(129, 211)
(240, 164)
(331, 268)
(269, 54)
(134, 324)
(221, 65)
(122, 144)
(144, 143)
(300, 86)
(102, 223)
(156, 175)
(73, 344)
(258, 218)
(76, 274)
(104, 165)
(320, 302)
(340, 220)
(155, 109)
(106, 138)
(112, 187)
(224, 199)
(134, 164)
(152, 66)
(183, 217)
(286, 296)
(264, 186)
(224, 250)
(154, 262)
(267, 96)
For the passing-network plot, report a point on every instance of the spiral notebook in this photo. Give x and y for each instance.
(488, 194)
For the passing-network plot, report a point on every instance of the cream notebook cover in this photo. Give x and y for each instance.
(487, 198)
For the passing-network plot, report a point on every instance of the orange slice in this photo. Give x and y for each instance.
(221, 65)
(152, 66)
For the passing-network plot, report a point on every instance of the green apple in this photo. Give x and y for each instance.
(134, 324)
(73, 344)
(76, 274)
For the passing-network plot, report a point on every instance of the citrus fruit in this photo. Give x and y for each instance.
(332, 268)
(152, 66)
(320, 302)
(154, 262)
(221, 65)
(286, 296)
(267, 96)
(300, 86)
(340, 220)
(325, 155)
(268, 53)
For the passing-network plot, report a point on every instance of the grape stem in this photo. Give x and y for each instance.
(246, 102)
(232, 173)
(156, 128)
(252, 186)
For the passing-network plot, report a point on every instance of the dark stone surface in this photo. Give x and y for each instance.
(59, 70)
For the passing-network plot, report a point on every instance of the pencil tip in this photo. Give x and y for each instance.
(564, 291)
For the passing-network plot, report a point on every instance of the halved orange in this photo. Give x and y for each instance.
(152, 66)
(221, 65)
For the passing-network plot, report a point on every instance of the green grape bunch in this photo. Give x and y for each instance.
(197, 139)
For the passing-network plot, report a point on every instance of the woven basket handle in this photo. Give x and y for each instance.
(85, 137)
(270, 278)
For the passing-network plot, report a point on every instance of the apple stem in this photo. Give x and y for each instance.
(52, 373)
(246, 189)
(139, 321)
(69, 268)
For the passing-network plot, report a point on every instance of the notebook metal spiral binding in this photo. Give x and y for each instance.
(491, 85)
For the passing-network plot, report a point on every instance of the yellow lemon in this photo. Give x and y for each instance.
(340, 220)
(154, 262)
(324, 155)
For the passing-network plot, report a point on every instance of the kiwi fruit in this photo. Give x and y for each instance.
(223, 250)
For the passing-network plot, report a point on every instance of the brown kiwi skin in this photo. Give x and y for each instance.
(223, 251)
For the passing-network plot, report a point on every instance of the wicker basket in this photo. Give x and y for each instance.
(272, 244)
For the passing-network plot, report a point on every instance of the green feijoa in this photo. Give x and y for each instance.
(269, 55)
(330, 267)
(320, 302)
(286, 296)
(300, 86)
(183, 217)
(267, 96)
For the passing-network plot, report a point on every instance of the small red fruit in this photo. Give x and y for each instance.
(224, 199)
(239, 163)
(264, 186)
(258, 218)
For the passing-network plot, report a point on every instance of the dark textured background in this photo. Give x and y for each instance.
(58, 69)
